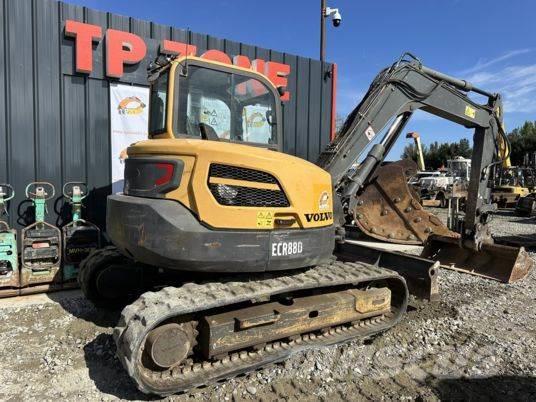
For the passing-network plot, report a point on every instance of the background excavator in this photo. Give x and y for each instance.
(243, 246)
(512, 183)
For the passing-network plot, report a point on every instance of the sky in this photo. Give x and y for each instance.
(490, 43)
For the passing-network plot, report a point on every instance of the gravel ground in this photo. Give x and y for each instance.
(477, 343)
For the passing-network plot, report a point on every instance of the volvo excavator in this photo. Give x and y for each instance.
(242, 246)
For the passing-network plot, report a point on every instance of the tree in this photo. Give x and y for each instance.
(410, 152)
(464, 149)
(523, 140)
(436, 154)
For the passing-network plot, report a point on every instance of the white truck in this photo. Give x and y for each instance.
(438, 189)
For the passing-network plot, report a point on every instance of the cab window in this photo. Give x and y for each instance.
(158, 103)
(220, 105)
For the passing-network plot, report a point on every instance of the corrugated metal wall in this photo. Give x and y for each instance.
(54, 123)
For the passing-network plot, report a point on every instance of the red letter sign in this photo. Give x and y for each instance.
(241, 61)
(126, 48)
(85, 35)
(258, 65)
(177, 48)
(216, 55)
(122, 48)
(277, 73)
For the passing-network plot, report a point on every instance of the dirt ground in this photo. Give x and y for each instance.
(477, 343)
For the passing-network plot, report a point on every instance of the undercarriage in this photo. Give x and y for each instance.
(178, 337)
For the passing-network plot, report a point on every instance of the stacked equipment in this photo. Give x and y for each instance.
(41, 245)
(80, 237)
(9, 264)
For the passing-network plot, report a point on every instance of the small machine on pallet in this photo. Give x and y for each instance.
(80, 237)
(9, 264)
(41, 245)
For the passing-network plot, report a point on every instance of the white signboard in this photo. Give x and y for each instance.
(255, 126)
(129, 114)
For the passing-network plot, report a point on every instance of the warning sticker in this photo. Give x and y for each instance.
(369, 132)
(265, 220)
(470, 112)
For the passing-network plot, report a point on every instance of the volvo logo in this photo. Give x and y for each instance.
(319, 217)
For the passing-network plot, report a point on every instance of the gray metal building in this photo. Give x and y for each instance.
(55, 123)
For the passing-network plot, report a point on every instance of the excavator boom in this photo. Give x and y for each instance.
(378, 200)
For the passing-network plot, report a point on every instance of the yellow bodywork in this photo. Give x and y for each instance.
(508, 195)
(307, 187)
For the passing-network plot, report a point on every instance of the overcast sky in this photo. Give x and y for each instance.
(491, 43)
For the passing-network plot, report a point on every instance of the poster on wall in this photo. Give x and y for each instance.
(129, 113)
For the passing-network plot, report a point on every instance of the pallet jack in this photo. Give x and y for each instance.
(9, 264)
(80, 237)
(41, 245)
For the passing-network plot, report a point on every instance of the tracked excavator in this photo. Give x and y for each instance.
(242, 246)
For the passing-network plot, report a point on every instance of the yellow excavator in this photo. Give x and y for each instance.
(242, 246)
(511, 184)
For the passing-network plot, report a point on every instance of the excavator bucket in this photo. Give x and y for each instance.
(494, 261)
(389, 210)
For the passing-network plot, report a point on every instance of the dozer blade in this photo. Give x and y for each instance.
(421, 274)
(389, 210)
(494, 261)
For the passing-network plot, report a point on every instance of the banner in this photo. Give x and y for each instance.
(129, 115)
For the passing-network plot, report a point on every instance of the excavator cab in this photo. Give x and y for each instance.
(216, 102)
(212, 163)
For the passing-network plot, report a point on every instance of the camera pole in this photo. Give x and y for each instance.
(322, 30)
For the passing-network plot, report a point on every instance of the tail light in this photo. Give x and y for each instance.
(166, 173)
(152, 177)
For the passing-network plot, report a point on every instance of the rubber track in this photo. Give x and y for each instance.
(94, 259)
(87, 267)
(153, 308)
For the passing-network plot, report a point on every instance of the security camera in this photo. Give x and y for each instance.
(336, 16)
